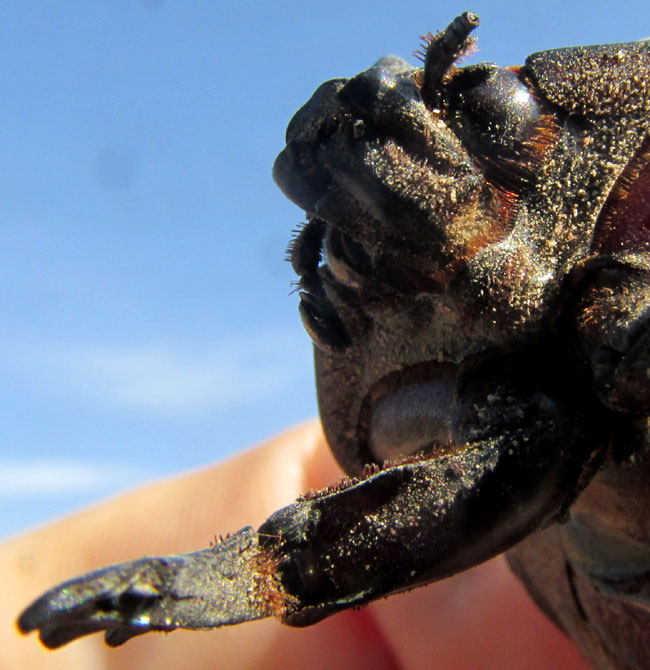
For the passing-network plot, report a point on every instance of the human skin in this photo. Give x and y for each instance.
(481, 618)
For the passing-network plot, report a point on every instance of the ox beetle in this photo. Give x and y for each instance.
(474, 271)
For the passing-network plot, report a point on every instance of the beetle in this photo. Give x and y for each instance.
(474, 271)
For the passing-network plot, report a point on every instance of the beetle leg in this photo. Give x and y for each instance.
(397, 528)
(418, 522)
(229, 582)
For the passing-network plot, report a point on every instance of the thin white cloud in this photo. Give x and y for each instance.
(47, 478)
(158, 377)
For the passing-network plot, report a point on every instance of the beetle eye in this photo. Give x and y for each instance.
(506, 129)
(346, 258)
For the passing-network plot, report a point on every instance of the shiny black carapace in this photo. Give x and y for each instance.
(475, 274)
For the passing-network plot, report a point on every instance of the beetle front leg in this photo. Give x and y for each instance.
(232, 581)
(420, 521)
(403, 526)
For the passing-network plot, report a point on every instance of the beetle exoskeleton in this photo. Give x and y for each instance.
(474, 272)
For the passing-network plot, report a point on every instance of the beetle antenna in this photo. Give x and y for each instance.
(442, 52)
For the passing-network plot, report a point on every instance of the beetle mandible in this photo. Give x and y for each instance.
(474, 271)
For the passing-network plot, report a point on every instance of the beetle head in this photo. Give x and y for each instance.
(420, 258)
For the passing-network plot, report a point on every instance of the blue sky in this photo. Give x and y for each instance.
(146, 325)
